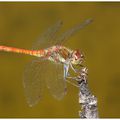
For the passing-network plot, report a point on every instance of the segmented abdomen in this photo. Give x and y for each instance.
(37, 53)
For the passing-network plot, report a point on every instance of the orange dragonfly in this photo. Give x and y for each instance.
(52, 63)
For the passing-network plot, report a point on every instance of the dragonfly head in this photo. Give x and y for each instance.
(77, 57)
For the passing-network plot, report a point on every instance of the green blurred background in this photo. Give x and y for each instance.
(22, 23)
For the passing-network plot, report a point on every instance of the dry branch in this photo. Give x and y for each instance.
(87, 100)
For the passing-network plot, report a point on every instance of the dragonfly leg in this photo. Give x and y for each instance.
(67, 75)
(66, 69)
(73, 68)
(72, 83)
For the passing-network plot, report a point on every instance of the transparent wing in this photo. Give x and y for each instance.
(39, 71)
(72, 31)
(34, 81)
(47, 39)
(55, 80)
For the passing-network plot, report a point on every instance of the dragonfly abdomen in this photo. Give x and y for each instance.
(37, 53)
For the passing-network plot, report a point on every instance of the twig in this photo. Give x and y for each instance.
(87, 100)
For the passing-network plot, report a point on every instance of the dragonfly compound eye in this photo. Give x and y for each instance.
(77, 54)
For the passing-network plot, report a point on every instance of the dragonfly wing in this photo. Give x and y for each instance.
(34, 81)
(55, 80)
(72, 31)
(47, 39)
(36, 73)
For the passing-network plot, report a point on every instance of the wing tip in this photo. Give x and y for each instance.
(89, 20)
(32, 104)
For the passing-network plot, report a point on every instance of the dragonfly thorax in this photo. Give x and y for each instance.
(57, 54)
(77, 57)
(61, 54)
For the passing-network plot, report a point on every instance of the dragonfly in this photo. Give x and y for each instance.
(51, 64)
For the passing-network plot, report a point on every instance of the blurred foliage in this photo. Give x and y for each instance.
(22, 23)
